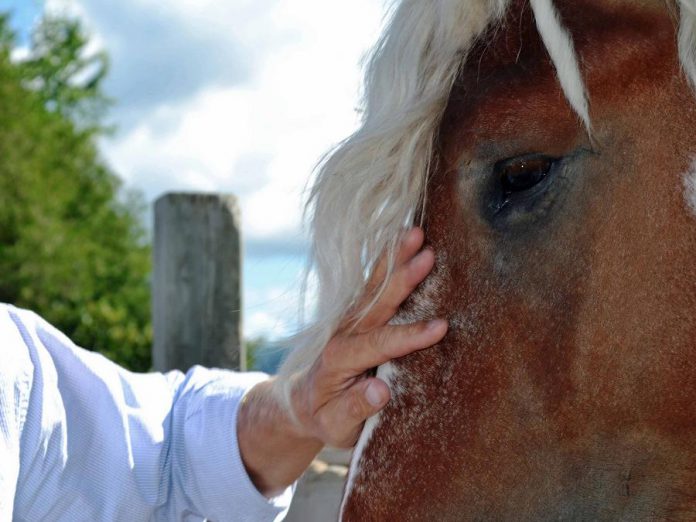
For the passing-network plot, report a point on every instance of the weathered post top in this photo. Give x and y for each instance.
(196, 295)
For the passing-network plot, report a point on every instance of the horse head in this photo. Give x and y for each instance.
(547, 147)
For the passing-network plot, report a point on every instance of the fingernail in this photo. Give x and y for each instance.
(420, 258)
(436, 324)
(413, 230)
(410, 234)
(373, 395)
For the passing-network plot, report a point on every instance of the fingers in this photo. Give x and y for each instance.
(340, 395)
(343, 399)
(404, 281)
(343, 422)
(408, 247)
(410, 270)
(356, 354)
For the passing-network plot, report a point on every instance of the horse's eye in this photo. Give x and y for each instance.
(521, 174)
(519, 183)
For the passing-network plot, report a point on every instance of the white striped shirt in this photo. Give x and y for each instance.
(83, 439)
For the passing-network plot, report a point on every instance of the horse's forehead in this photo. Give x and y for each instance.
(604, 29)
(508, 77)
(592, 22)
(641, 4)
(595, 27)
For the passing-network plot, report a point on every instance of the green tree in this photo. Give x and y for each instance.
(72, 245)
(61, 72)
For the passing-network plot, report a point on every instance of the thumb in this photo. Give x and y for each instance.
(375, 395)
(360, 401)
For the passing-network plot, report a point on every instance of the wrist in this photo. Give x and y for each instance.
(275, 448)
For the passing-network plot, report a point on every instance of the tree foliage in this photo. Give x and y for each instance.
(72, 245)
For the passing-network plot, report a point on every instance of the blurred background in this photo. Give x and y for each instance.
(104, 106)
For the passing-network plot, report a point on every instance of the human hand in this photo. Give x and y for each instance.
(332, 400)
(335, 396)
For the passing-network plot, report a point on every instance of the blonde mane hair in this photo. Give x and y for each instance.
(372, 185)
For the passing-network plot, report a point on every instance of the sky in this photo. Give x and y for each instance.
(230, 96)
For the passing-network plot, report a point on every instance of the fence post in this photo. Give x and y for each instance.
(196, 297)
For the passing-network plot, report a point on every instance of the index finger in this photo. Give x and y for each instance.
(410, 243)
(358, 353)
(407, 273)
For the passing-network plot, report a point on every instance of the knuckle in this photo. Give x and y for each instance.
(356, 408)
(379, 340)
(390, 307)
(330, 355)
(330, 435)
(313, 401)
(324, 427)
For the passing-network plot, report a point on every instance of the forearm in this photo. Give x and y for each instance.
(273, 449)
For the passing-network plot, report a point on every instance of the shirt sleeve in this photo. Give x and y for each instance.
(15, 383)
(97, 442)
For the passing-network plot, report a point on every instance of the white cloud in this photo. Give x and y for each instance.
(242, 96)
(258, 135)
(159, 54)
(271, 312)
(263, 324)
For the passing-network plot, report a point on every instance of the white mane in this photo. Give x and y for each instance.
(373, 184)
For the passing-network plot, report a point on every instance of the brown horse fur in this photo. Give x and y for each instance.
(566, 387)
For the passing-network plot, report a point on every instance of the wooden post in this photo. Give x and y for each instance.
(196, 297)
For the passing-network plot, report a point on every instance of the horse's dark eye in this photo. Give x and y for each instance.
(521, 174)
(519, 183)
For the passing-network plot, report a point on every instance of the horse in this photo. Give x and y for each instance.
(547, 149)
